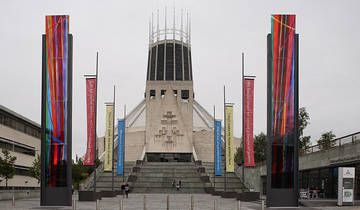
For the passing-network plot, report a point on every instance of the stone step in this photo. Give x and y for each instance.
(160, 179)
(169, 190)
(168, 184)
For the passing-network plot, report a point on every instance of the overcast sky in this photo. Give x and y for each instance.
(221, 30)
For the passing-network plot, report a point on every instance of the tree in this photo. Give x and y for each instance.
(238, 156)
(7, 168)
(35, 170)
(304, 141)
(325, 140)
(260, 147)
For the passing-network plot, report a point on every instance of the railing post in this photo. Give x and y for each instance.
(74, 204)
(262, 204)
(215, 207)
(144, 202)
(13, 200)
(239, 205)
(192, 203)
(167, 203)
(97, 204)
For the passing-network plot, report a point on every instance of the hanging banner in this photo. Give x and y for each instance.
(90, 110)
(109, 137)
(120, 147)
(249, 122)
(218, 148)
(229, 140)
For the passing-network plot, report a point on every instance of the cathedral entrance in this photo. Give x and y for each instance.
(168, 157)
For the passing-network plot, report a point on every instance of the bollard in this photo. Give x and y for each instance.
(120, 204)
(167, 203)
(215, 204)
(13, 200)
(239, 205)
(262, 204)
(97, 204)
(144, 202)
(74, 205)
(192, 203)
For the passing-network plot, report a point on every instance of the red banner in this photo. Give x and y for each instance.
(249, 122)
(90, 109)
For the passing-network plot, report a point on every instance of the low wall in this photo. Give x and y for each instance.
(19, 194)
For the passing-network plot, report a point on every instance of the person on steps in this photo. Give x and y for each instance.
(127, 190)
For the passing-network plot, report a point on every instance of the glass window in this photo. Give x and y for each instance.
(184, 94)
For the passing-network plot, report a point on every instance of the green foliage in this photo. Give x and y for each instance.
(35, 170)
(325, 140)
(238, 156)
(304, 121)
(80, 172)
(260, 144)
(7, 168)
(259, 149)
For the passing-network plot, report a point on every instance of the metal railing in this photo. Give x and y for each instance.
(338, 142)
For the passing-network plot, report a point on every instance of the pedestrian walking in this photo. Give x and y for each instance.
(177, 187)
(127, 190)
(179, 183)
(173, 183)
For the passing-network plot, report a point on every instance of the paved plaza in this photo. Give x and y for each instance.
(155, 202)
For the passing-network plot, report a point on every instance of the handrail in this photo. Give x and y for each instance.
(89, 181)
(333, 143)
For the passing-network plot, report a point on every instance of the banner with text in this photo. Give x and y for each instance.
(249, 122)
(218, 148)
(109, 137)
(229, 140)
(90, 111)
(120, 147)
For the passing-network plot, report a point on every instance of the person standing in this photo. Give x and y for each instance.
(179, 183)
(123, 190)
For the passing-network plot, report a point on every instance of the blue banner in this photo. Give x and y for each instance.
(218, 148)
(120, 148)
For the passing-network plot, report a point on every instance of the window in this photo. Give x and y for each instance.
(152, 94)
(184, 94)
(24, 150)
(163, 93)
(175, 92)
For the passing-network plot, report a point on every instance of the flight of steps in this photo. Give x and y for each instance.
(157, 177)
(233, 182)
(104, 179)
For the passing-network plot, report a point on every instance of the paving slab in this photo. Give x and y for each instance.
(156, 202)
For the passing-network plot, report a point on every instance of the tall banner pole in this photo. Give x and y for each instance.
(214, 148)
(95, 137)
(224, 142)
(242, 135)
(124, 141)
(112, 172)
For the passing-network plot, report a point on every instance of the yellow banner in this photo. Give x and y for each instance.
(229, 140)
(109, 138)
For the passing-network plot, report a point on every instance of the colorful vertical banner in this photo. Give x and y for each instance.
(229, 138)
(91, 114)
(249, 122)
(109, 137)
(57, 102)
(218, 148)
(120, 148)
(282, 104)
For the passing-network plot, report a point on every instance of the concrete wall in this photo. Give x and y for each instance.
(19, 194)
(164, 133)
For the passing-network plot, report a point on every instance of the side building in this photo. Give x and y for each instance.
(22, 137)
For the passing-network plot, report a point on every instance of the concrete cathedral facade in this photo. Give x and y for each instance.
(169, 124)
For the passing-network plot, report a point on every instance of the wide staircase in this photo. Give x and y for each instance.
(104, 179)
(157, 177)
(229, 182)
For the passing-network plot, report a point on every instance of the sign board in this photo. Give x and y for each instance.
(346, 186)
